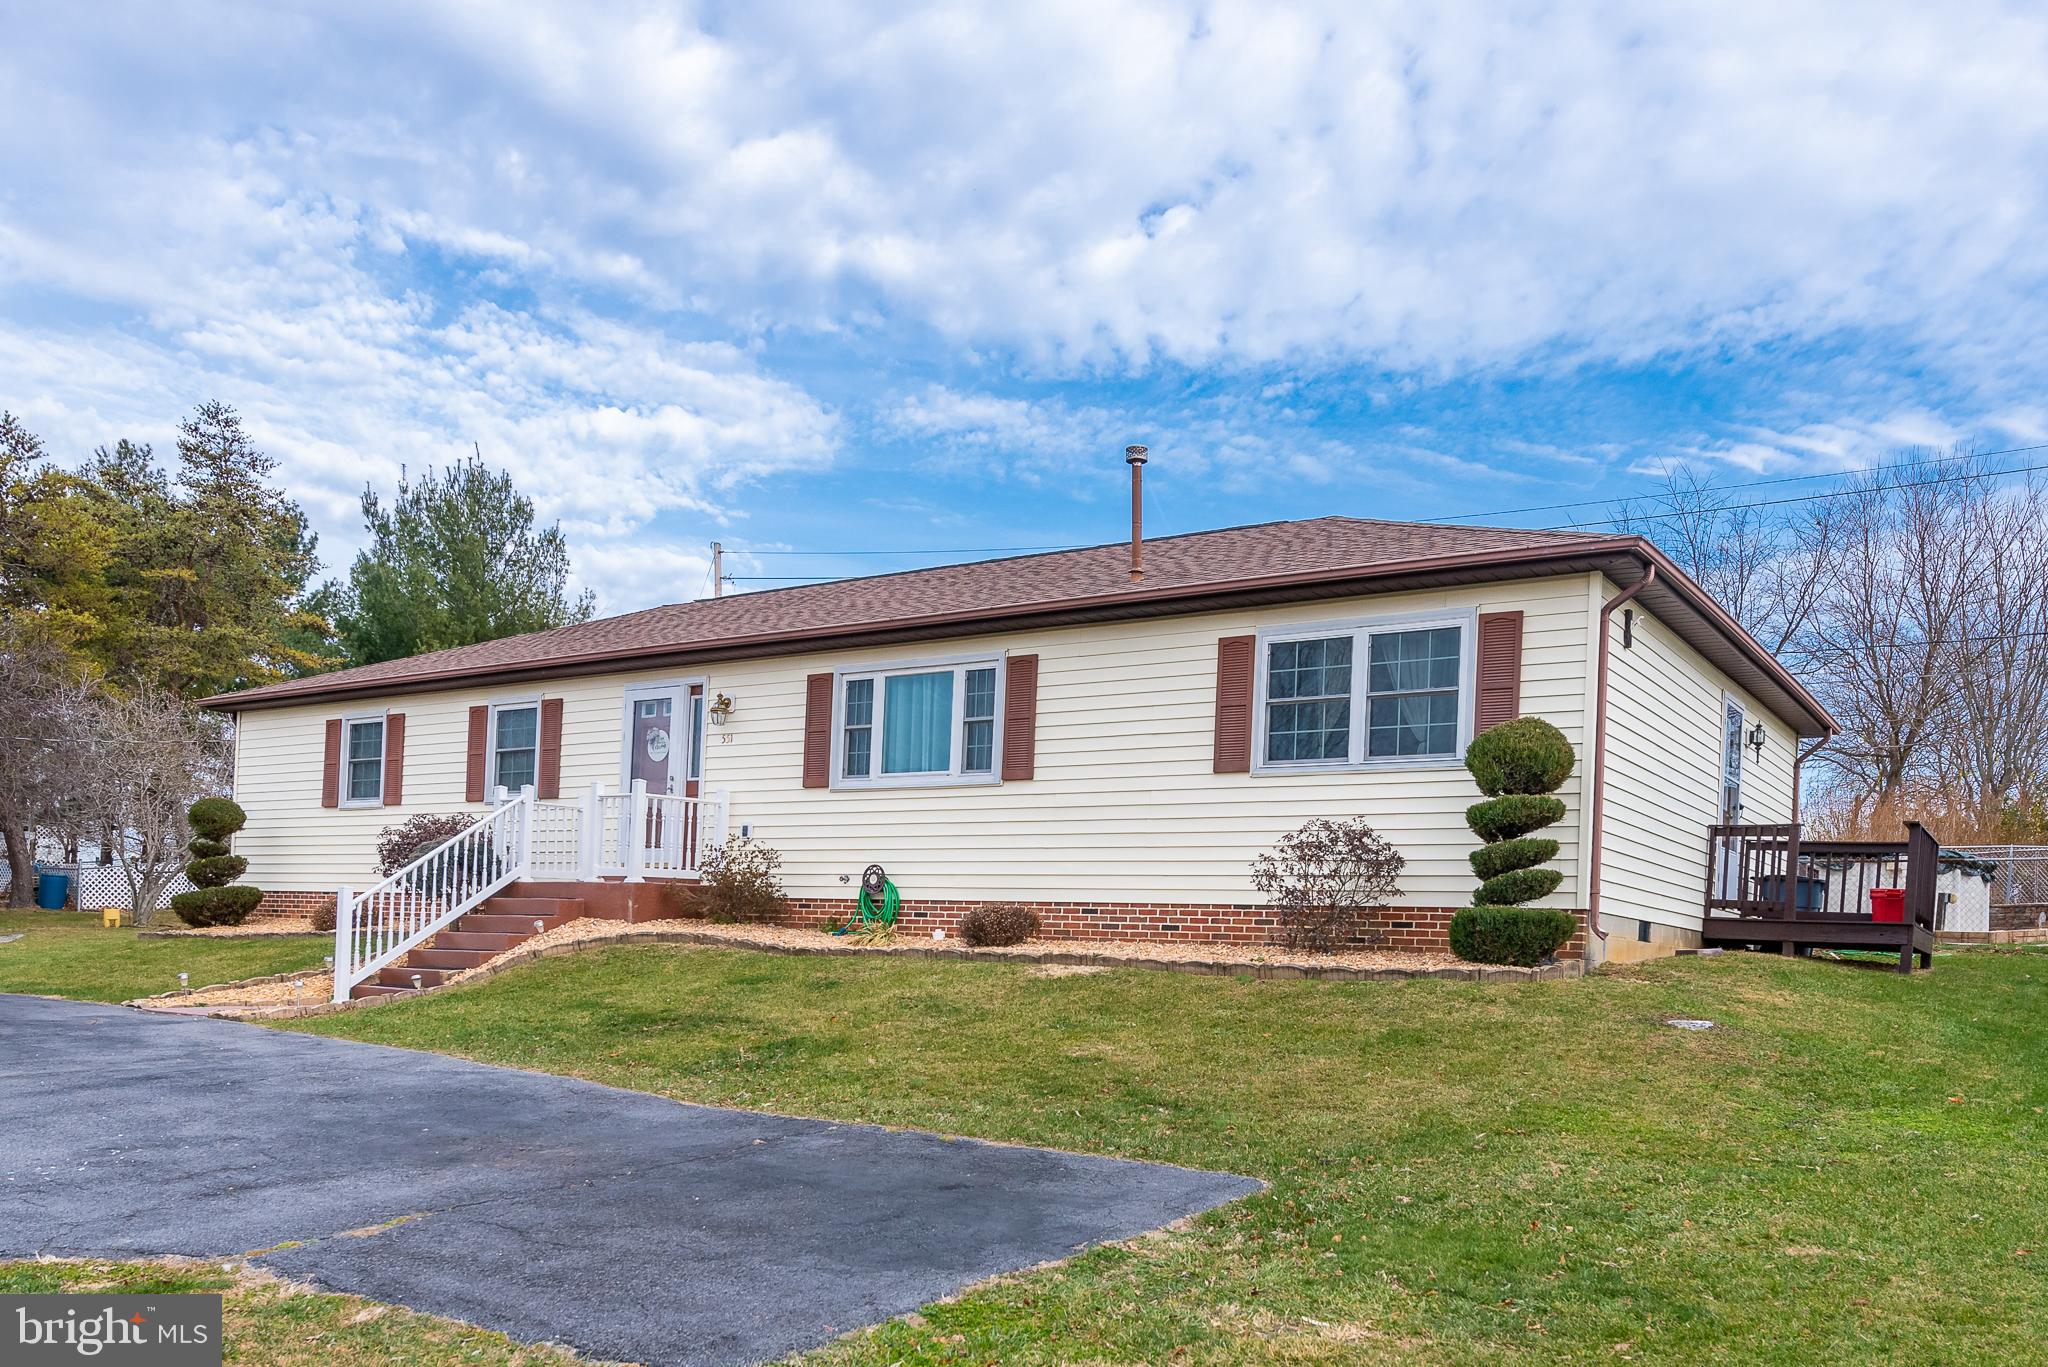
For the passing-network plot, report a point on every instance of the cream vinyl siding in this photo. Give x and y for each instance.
(1664, 773)
(1124, 806)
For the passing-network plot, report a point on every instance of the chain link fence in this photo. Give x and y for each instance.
(2022, 877)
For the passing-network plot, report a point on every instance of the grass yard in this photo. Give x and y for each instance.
(68, 954)
(271, 1323)
(1849, 1167)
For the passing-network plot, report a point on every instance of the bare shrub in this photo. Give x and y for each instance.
(1324, 881)
(400, 844)
(998, 923)
(740, 882)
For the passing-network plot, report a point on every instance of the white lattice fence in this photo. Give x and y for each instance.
(104, 885)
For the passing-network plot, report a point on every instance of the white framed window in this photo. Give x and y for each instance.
(515, 745)
(1384, 692)
(917, 723)
(362, 761)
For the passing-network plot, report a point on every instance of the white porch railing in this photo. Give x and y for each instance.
(635, 835)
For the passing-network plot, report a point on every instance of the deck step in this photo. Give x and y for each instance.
(566, 907)
(401, 975)
(361, 990)
(424, 957)
(490, 923)
(497, 942)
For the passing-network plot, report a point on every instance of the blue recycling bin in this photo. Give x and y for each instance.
(53, 890)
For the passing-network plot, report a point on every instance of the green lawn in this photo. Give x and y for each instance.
(67, 954)
(268, 1323)
(1849, 1167)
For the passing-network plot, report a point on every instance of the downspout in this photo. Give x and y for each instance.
(1798, 766)
(1600, 750)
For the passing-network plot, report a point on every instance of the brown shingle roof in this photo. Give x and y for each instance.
(1269, 561)
(1196, 561)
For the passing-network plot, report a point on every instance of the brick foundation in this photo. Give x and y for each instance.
(278, 905)
(1411, 928)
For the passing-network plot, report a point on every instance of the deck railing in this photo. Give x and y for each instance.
(376, 927)
(635, 835)
(1773, 872)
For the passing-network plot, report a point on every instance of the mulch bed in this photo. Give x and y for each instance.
(259, 998)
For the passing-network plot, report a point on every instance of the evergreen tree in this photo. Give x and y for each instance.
(455, 559)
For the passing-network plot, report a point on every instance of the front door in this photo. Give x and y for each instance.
(1728, 874)
(664, 749)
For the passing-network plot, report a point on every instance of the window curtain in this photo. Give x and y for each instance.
(917, 723)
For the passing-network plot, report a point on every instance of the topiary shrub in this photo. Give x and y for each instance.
(739, 882)
(212, 902)
(1526, 755)
(1524, 936)
(215, 819)
(1324, 881)
(1517, 764)
(229, 906)
(1513, 815)
(998, 923)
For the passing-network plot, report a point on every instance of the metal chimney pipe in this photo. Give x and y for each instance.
(1134, 456)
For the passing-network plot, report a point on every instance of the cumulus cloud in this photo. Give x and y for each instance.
(592, 228)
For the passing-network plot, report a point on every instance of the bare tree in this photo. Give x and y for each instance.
(42, 709)
(1914, 603)
(1994, 752)
(152, 756)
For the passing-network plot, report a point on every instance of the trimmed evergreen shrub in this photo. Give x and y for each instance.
(323, 918)
(212, 900)
(1526, 755)
(1506, 856)
(1517, 764)
(215, 818)
(1523, 936)
(998, 923)
(1517, 886)
(1513, 815)
(229, 906)
(216, 870)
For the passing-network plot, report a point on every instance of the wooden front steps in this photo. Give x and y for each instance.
(501, 923)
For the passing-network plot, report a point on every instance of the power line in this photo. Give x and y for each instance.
(1496, 512)
(1603, 522)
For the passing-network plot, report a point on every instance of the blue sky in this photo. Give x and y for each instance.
(828, 277)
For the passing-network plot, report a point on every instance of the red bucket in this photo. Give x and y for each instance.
(1887, 904)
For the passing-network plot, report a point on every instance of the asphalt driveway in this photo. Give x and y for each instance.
(624, 1225)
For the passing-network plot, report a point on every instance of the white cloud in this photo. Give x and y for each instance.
(387, 229)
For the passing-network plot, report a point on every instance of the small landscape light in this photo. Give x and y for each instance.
(938, 932)
(539, 925)
(330, 963)
(184, 978)
(416, 982)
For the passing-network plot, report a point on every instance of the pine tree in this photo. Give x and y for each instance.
(455, 559)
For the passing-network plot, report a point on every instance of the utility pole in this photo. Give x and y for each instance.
(717, 570)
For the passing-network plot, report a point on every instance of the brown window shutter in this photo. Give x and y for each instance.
(1234, 660)
(1500, 669)
(330, 768)
(479, 737)
(548, 782)
(394, 758)
(818, 731)
(1020, 718)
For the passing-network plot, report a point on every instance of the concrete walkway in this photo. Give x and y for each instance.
(629, 1227)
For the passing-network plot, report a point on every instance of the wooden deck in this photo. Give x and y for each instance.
(1767, 888)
